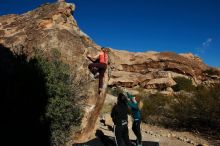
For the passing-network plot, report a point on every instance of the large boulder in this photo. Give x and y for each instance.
(52, 26)
(161, 83)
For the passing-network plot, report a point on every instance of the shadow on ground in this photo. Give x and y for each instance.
(97, 142)
(103, 140)
(23, 100)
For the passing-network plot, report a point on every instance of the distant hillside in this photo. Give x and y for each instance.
(154, 70)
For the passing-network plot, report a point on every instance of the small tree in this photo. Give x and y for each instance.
(61, 111)
(154, 105)
(114, 91)
(183, 84)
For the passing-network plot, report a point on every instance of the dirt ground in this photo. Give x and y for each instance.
(152, 136)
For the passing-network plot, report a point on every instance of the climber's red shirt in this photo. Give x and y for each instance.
(103, 57)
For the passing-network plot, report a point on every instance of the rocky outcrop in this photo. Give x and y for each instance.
(154, 70)
(53, 26)
(161, 83)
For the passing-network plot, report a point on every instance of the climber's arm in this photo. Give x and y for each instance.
(132, 105)
(93, 58)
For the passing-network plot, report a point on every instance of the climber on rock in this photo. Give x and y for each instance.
(99, 65)
(119, 116)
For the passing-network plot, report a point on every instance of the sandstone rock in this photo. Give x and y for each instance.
(53, 26)
(191, 56)
(173, 135)
(180, 138)
(163, 134)
(191, 142)
(151, 132)
(108, 120)
(132, 69)
(169, 89)
(127, 79)
(161, 83)
(110, 99)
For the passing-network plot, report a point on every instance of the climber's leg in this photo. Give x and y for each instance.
(102, 70)
(94, 68)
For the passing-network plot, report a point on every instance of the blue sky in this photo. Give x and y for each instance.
(179, 26)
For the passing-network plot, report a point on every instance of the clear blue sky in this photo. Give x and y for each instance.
(179, 26)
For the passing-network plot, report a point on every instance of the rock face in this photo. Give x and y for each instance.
(154, 70)
(53, 26)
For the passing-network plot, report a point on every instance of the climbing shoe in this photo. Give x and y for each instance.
(96, 75)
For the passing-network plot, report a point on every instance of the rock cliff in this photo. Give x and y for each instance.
(154, 70)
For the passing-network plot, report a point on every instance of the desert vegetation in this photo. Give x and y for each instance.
(183, 84)
(38, 98)
(114, 91)
(198, 110)
(61, 111)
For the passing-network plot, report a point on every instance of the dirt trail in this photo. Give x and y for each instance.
(164, 137)
(152, 136)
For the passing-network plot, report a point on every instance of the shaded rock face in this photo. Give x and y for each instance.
(48, 27)
(154, 70)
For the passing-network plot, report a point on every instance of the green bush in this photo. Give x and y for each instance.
(197, 110)
(115, 91)
(183, 84)
(61, 111)
(181, 110)
(200, 111)
(207, 106)
(154, 107)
